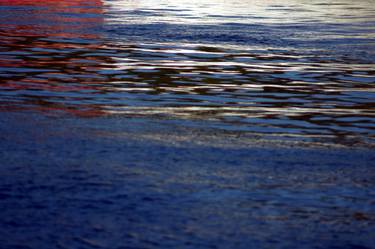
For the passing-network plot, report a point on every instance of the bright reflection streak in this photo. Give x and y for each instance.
(239, 11)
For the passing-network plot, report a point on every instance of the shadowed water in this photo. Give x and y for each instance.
(282, 67)
(163, 124)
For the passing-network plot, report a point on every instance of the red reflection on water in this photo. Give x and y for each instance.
(60, 3)
(53, 18)
(24, 25)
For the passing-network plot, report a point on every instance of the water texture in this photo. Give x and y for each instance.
(304, 68)
(187, 124)
(103, 183)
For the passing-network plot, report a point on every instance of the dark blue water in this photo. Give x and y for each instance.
(131, 183)
(187, 124)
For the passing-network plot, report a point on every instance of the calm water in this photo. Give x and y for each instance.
(187, 124)
(303, 68)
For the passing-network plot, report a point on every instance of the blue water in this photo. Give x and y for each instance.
(285, 67)
(187, 124)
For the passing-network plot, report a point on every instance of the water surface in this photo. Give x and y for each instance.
(187, 124)
(304, 68)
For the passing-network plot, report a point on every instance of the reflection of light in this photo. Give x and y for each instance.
(76, 18)
(46, 3)
(243, 111)
(44, 69)
(239, 11)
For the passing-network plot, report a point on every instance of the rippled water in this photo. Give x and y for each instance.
(283, 67)
(109, 113)
(96, 183)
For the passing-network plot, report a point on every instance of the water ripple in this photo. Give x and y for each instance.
(308, 75)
